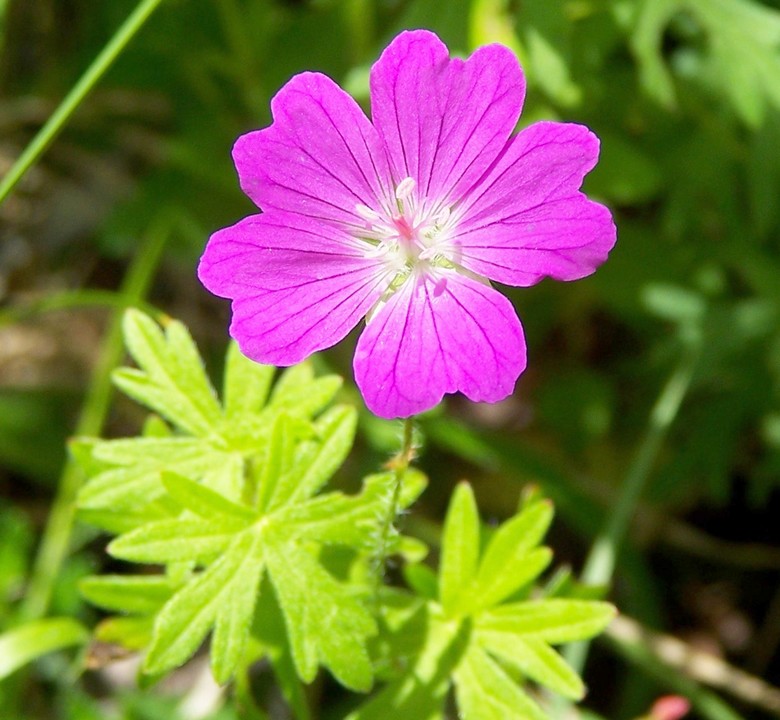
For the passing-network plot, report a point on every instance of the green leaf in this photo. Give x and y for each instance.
(336, 518)
(139, 594)
(205, 502)
(460, 549)
(428, 650)
(536, 660)
(651, 20)
(555, 621)
(121, 521)
(742, 58)
(485, 692)
(172, 540)
(189, 615)
(246, 385)
(171, 380)
(508, 562)
(133, 633)
(325, 622)
(234, 616)
(136, 478)
(34, 639)
(269, 633)
(300, 393)
(278, 460)
(319, 458)
(422, 580)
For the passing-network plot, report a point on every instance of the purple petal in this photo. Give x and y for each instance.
(444, 121)
(438, 335)
(527, 219)
(297, 286)
(321, 157)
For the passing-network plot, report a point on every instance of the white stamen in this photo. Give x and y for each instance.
(442, 216)
(366, 212)
(404, 189)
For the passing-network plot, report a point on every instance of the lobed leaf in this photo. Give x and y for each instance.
(177, 539)
(136, 479)
(460, 549)
(509, 562)
(325, 622)
(206, 502)
(555, 621)
(277, 462)
(137, 594)
(485, 692)
(336, 518)
(172, 380)
(187, 617)
(536, 660)
(299, 392)
(246, 385)
(234, 616)
(319, 458)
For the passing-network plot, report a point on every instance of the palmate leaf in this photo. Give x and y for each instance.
(172, 380)
(480, 625)
(460, 550)
(325, 622)
(485, 692)
(212, 444)
(223, 596)
(227, 501)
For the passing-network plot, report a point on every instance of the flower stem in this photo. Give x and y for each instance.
(399, 465)
(600, 564)
(78, 92)
(56, 537)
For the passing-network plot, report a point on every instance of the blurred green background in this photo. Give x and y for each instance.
(685, 96)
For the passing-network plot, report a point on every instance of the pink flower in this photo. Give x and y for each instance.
(405, 219)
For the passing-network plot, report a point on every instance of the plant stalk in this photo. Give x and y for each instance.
(399, 465)
(56, 536)
(600, 564)
(78, 92)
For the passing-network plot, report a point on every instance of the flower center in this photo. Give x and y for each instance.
(415, 234)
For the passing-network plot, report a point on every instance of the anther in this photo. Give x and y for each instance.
(405, 188)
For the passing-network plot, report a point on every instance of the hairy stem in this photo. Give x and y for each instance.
(78, 92)
(56, 536)
(399, 465)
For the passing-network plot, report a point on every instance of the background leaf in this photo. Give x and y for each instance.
(34, 639)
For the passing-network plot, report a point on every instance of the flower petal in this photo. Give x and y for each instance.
(321, 156)
(527, 219)
(297, 286)
(439, 334)
(444, 121)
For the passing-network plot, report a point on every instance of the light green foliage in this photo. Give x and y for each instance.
(223, 497)
(480, 626)
(229, 501)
